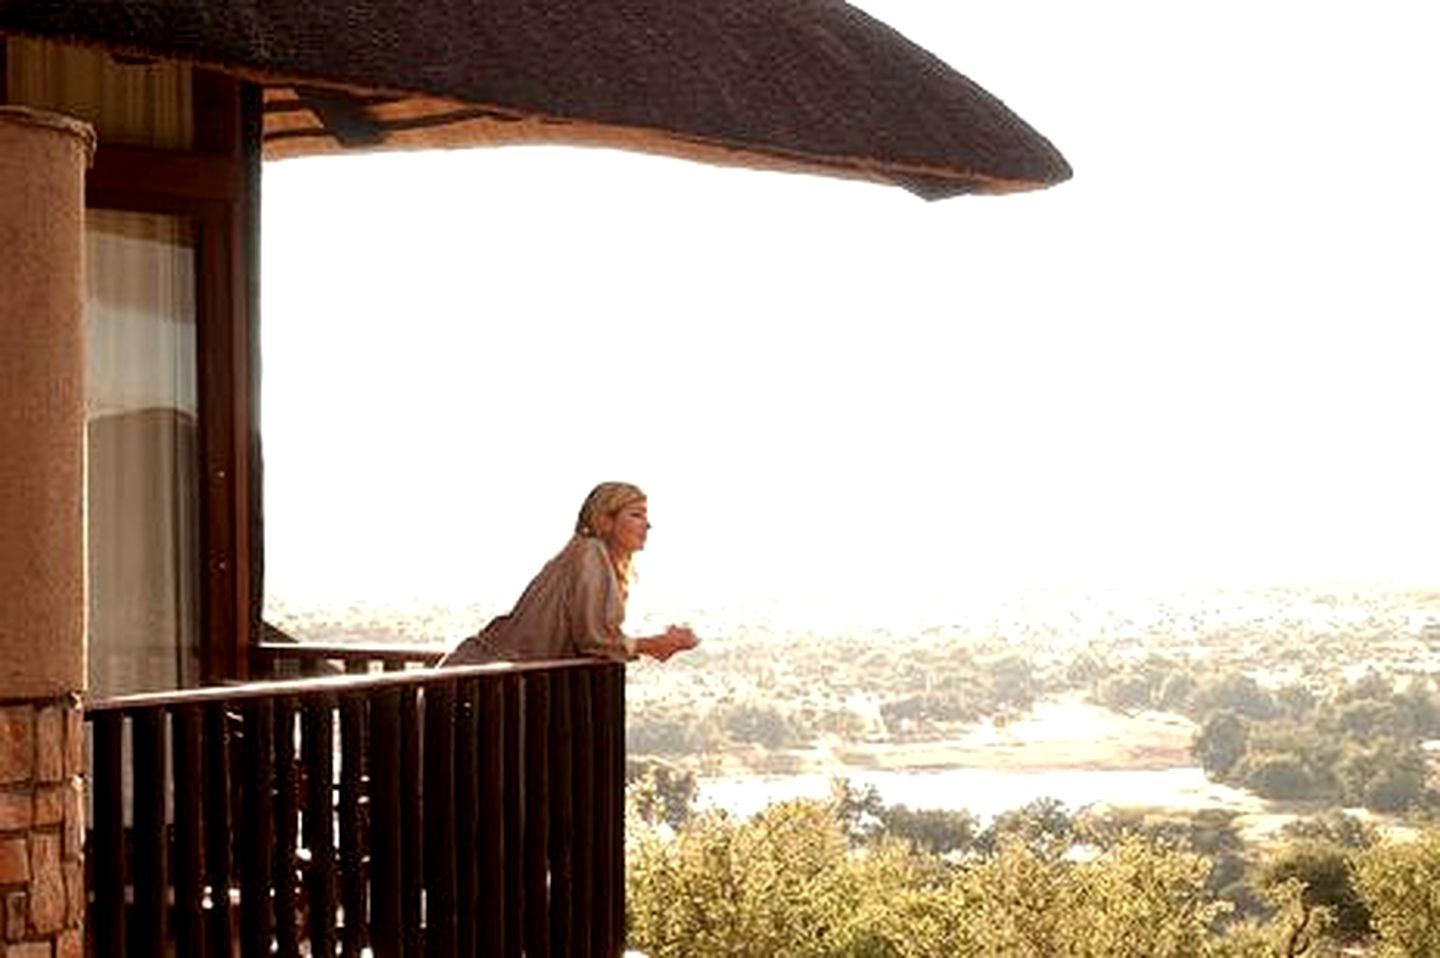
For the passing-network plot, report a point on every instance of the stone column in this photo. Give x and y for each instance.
(42, 535)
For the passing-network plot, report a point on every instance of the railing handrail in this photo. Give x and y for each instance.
(333, 683)
(351, 651)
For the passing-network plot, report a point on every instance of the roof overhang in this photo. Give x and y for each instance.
(810, 85)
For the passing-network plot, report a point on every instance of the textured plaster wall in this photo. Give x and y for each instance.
(42, 600)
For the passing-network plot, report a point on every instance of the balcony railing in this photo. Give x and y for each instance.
(435, 812)
(281, 659)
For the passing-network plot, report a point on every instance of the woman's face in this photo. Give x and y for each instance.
(629, 527)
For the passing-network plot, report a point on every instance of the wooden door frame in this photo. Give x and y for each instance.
(216, 187)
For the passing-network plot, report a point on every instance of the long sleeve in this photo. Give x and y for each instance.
(597, 611)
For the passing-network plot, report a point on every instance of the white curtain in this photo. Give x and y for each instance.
(130, 103)
(142, 472)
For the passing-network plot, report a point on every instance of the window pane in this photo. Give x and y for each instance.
(142, 514)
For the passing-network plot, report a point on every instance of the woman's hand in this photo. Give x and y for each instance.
(677, 638)
(683, 637)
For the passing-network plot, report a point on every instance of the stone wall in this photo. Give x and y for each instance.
(42, 828)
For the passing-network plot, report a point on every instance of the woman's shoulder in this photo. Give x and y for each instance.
(581, 554)
(595, 559)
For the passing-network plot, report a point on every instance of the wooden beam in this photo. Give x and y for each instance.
(345, 117)
(127, 170)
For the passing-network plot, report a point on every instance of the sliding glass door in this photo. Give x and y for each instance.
(143, 420)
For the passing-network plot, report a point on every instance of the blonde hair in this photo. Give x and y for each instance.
(605, 501)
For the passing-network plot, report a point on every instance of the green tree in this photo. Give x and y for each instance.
(1139, 900)
(1220, 744)
(1012, 903)
(1295, 930)
(858, 809)
(659, 791)
(1236, 692)
(752, 724)
(1400, 883)
(1175, 691)
(1336, 827)
(1012, 681)
(780, 883)
(938, 831)
(1124, 691)
(1277, 775)
(1387, 776)
(1044, 825)
(1322, 870)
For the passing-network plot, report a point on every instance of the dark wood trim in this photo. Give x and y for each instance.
(184, 176)
(252, 106)
(223, 345)
(4, 69)
(217, 108)
(218, 467)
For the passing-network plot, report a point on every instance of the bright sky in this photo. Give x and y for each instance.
(1211, 357)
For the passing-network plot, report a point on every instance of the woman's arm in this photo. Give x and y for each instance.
(598, 611)
(677, 638)
(596, 608)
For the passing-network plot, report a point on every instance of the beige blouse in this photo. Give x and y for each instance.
(574, 607)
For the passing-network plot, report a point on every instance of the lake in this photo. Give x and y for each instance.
(988, 791)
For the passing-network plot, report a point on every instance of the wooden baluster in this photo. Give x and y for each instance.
(582, 756)
(352, 832)
(412, 835)
(490, 839)
(147, 747)
(561, 743)
(537, 812)
(189, 882)
(107, 913)
(439, 790)
(513, 703)
(385, 788)
(467, 790)
(217, 822)
(609, 806)
(285, 864)
(318, 750)
(256, 819)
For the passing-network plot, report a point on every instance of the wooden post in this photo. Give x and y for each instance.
(43, 158)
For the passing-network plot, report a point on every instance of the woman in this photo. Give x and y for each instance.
(576, 605)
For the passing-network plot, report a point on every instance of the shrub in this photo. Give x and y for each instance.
(1400, 884)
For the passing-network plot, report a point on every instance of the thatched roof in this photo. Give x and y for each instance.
(810, 84)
